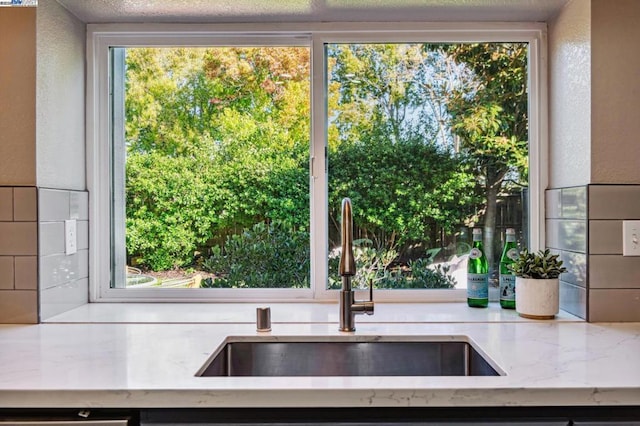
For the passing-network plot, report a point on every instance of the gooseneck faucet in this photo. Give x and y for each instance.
(349, 307)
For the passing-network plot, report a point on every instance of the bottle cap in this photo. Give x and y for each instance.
(511, 231)
(477, 231)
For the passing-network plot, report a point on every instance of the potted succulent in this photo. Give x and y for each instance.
(537, 284)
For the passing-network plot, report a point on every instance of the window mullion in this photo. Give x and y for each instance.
(118, 169)
(319, 208)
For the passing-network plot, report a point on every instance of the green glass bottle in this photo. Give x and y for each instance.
(477, 273)
(507, 279)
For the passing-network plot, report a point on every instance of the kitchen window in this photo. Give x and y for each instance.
(219, 155)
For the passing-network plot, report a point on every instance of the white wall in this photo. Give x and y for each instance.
(60, 156)
(60, 111)
(570, 96)
(594, 94)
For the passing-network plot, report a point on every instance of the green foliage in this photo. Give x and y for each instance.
(371, 264)
(207, 283)
(373, 88)
(168, 212)
(489, 114)
(500, 81)
(420, 275)
(401, 190)
(375, 266)
(218, 140)
(388, 151)
(265, 256)
(540, 265)
(425, 277)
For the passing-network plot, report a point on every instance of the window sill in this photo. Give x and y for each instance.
(288, 313)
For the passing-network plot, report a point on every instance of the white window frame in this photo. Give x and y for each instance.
(101, 37)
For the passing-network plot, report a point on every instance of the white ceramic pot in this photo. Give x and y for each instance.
(537, 299)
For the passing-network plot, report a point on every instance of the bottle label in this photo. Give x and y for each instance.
(513, 254)
(475, 253)
(507, 287)
(477, 286)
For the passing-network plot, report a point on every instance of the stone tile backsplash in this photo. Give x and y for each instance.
(18, 255)
(605, 237)
(613, 271)
(25, 272)
(614, 279)
(6, 272)
(614, 202)
(25, 207)
(6, 204)
(614, 305)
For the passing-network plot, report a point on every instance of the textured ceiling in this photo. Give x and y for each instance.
(249, 11)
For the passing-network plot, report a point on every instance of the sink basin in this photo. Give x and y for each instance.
(362, 356)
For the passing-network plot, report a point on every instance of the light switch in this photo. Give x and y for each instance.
(70, 237)
(631, 237)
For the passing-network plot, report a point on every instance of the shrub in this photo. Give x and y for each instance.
(421, 275)
(371, 264)
(168, 209)
(265, 256)
(374, 265)
(400, 191)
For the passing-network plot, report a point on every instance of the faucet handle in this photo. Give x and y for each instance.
(370, 290)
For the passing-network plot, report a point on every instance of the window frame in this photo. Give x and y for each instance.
(100, 133)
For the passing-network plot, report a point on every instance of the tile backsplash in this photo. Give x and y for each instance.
(37, 278)
(566, 235)
(584, 225)
(614, 280)
(18, 255)
(6, 204)
(64, 282)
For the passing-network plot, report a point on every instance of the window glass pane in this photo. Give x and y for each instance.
(428, 141)
(217, 177)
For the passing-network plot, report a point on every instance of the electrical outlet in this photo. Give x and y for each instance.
(70, 237)
(631, 237)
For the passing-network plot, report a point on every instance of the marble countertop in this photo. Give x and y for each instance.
(147, 356)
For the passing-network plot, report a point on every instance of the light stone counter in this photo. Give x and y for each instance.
(153, 364)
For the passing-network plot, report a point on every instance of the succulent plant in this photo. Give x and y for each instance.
(541, 265)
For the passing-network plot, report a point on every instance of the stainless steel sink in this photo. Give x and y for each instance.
(364, 356)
